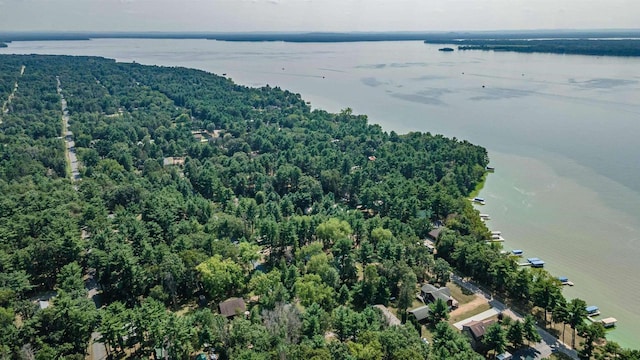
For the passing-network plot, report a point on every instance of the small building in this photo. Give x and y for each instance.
(232, 307)
(430, 293)
(517, 252)
(475, 330)
(420, 314)
(390, 318)
(504, 356)
(433, 234)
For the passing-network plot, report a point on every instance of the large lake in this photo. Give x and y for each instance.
(562, 131)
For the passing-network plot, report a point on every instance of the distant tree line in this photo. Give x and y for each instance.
(601, 47)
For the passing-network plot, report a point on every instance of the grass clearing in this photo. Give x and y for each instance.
(460, 294)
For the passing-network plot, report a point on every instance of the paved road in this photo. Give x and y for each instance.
(5, 105)
(98, 350)
(538, 351)
(70, 145)
(483, 315)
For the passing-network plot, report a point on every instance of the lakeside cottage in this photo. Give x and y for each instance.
(430, 293)
(475, 331)
(420, 314)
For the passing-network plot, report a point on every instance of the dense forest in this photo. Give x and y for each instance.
(599, 47)
(195, 190)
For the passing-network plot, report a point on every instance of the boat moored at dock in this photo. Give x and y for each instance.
(565, 281)
(535, 262)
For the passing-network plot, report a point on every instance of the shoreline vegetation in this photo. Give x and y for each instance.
(197, 193)
(479, 186)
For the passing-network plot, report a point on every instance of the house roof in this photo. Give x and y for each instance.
(420, 313)
(438, 293)
(392, 320)
(435, 233)
(478, 328)
(232, 306)
(428, 288)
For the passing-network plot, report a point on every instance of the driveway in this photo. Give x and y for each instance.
(540, 350)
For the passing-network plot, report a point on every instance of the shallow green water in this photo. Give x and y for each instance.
(562, 132)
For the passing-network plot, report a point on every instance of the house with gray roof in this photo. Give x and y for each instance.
(232, 307)
(420, 314)
(430, 293)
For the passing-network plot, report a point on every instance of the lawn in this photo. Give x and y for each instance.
(462, 295)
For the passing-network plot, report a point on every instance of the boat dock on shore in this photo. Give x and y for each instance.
(565, 281)
(609, 322)
(592, 310)
(533, 262)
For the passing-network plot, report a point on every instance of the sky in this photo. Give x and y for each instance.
(315, 15)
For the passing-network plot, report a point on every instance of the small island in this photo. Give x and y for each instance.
(446, 49)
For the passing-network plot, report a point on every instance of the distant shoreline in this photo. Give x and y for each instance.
(595, 47)
(435, 36)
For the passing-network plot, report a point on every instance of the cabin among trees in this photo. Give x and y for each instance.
(232, 307)
(429, 294)
(475, 331)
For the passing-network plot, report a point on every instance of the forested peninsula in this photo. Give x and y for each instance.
(212, 217)
(597, 47)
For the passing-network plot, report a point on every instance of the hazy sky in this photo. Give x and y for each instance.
(315, 15)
